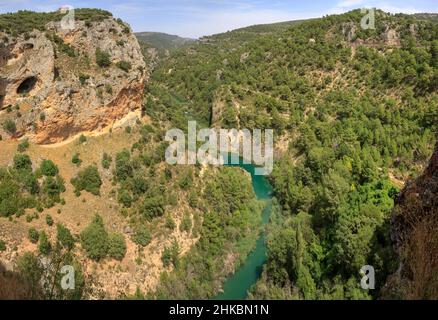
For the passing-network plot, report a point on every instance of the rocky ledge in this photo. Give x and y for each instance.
(67, 81)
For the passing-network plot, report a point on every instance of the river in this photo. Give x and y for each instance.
(237, 285)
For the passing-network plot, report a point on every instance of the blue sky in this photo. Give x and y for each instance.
(195, 18)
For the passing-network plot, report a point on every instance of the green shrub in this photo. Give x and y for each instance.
(88, 180)
(99, 92)
(124, 65)
(29, 183)
(30, 269)
(152, 207)
(76, 160)
(10, 126)
(94, 239)
(48, 168)
(108, 89)
(123, 168)
(170, 255)
(186, 223)
(103, 58)
(10, 198)
(142, 236)
(44, 245)
(106, 160)
(193, 199)
(2, 246)
(82, 139)
(62, 46)
(23, 146)
(170, 223)
(68, 50)
(139, 185)
(33, 235)
(83, 78)
(126, 30)
(125, 198)
(64, 236)
(186, 180)
(116, 246)
(49, 220)
(51, 190)
(22, 162)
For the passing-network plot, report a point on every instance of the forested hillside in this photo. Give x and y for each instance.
(162, 41)
(355, 116)
(157, 46)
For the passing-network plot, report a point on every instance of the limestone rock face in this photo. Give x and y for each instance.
(349, 31)
(414, 231)
(54, 79)
(391, 37)
(417, 201)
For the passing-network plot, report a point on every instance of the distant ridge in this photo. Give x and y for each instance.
(162, 41)
(426, 16)
(269, 27)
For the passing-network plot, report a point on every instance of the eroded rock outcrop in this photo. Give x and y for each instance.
(54, 78)
(391, 37)
(349, 31)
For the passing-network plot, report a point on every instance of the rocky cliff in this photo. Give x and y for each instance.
(65, 81)
(414, 230)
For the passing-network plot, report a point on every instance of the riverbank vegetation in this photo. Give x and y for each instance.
(217, 207)
(231, 225)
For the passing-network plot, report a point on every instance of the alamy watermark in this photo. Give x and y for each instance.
(368, 281)
(68, 20)
(368, 21)
(252, 147)
(68, 280)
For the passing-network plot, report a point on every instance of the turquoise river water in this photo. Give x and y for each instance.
(237, 285)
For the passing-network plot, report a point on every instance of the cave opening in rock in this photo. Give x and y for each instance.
(27, 85)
